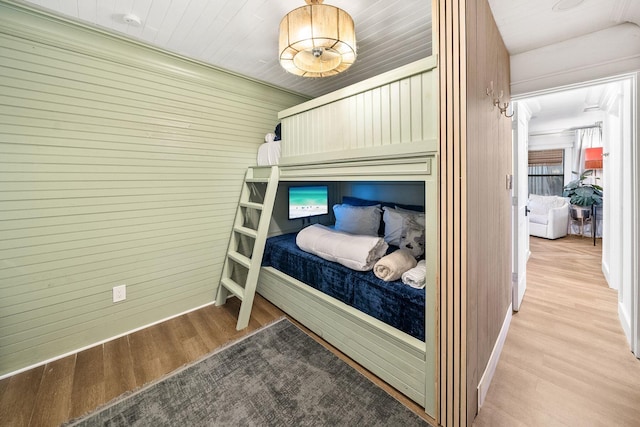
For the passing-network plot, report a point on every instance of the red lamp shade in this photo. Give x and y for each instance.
(593, 158)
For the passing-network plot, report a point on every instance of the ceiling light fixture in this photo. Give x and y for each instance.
(132, 19)
(317, 40)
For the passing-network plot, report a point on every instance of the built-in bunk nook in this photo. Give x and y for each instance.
(369, 147)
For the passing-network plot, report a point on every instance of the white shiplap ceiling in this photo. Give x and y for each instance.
(242, 35)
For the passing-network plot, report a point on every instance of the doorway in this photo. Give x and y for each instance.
(553, 119)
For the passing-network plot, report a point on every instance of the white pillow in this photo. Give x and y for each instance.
(417, 216)
(363, 220)
(396, 222)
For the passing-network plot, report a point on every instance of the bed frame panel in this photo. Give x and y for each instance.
(394, 356)
(391, 114)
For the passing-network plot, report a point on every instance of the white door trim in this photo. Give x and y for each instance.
(632, 224)
(519, 193)
(635, 321)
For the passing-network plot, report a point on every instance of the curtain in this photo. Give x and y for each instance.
(585, 138)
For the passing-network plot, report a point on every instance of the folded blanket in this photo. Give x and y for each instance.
(416, 277)
(391, 267)
(353, 251)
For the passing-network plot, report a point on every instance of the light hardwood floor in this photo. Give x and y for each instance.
(70, 387)
(67, 388)
(565, 361)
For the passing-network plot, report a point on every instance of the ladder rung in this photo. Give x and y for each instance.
(233, 287)
(252, 205)
(246, 231)
(265, 180)
(239, 258)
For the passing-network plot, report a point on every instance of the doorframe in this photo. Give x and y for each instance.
(634, 223)
(520, 230)
(635, 170)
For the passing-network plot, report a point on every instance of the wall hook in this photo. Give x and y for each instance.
(491, 93)
(496, 100)
(503, 109)
(490, 90)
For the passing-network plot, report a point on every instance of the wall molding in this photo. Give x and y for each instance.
(487, 376)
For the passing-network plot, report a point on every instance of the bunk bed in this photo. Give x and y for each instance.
(380, 130)
(392, 302)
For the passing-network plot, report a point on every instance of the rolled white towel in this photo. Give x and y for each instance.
(417, 276)
(391, 267)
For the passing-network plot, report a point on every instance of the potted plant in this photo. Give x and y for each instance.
(581, 194)
(584, 198)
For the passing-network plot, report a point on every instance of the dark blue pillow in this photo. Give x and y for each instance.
(408, 207)
(355, 201)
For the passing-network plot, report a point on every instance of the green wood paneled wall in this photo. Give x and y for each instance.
(119, 164)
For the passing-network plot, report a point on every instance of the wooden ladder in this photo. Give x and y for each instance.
(248, 237)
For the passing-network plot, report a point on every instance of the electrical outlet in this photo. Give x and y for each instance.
(119, 293)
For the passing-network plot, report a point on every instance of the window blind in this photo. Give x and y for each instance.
(545, 157)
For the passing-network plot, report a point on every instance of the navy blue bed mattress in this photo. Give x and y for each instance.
(394, 303)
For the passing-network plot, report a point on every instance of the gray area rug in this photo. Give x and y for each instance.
(279, 376)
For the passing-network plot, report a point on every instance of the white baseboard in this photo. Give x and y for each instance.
(487, 376)
(44, 362)
(605, 272)
(625, 321)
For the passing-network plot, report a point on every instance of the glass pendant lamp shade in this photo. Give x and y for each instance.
(317, 40)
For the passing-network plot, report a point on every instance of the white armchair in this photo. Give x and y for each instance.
(548, 216)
